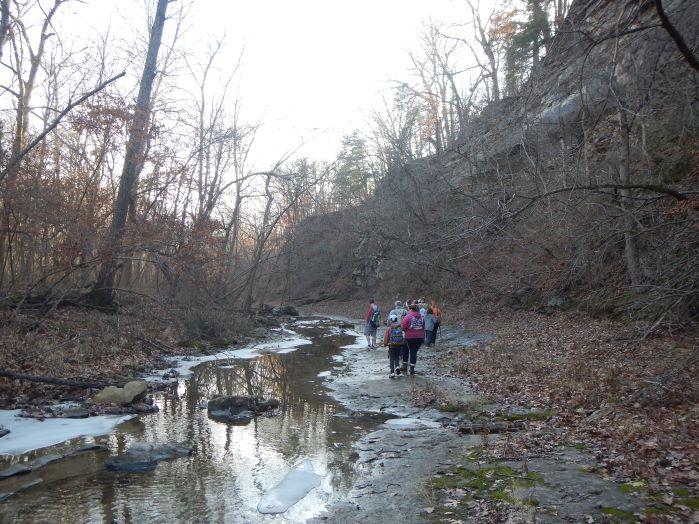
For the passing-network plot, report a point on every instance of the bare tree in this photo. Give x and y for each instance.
(102, 292)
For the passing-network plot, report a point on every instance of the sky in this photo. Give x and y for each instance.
(312, 69)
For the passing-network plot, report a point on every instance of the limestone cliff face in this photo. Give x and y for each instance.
(608, 50)
(475, 220)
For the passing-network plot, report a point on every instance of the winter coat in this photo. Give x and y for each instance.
(411, 333)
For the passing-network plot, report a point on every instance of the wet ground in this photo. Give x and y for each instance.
(381, 458)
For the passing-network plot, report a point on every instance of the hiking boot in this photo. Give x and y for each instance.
(412, 370)
(392, 375)
(398, 372)
(404, 367)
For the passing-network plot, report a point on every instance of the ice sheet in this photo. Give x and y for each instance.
(408, 424)
(184, 367)
(292, 488)
(27, 434)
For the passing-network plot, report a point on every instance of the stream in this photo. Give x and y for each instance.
(233, 466)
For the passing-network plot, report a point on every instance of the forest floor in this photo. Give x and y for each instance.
(91, 346)
(628, 401)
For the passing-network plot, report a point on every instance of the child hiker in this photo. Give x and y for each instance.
(394, 340)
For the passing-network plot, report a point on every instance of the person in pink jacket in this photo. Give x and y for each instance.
(414, 332)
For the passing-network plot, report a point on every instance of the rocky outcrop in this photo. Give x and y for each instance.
(143, 456)
(239, 410)
(132, 392)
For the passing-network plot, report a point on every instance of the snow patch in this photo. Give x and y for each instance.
(28, 434)
(293, 487)
(184, 365)
(324, 374)
(409, 424)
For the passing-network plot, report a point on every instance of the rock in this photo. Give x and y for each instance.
(4, 431)
(173, 373)
(75, 412)
(15, 469)
(143, 456)
(239, 409)
(490, 427)
(90, 447)
(131, 392)
(144, 407)
(286, 310)
(42, 461)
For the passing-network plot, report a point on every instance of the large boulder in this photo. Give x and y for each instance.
(144, 456)
(239, 409)
(131, 392)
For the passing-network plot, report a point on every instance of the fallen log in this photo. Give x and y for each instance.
(83, 384)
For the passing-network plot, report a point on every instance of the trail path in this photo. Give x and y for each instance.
(420, 468)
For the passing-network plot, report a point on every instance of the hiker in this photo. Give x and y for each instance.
(414, 332)
(437, 312)
(394, 340)
(397, 310)
(430, 327)
(372, 319)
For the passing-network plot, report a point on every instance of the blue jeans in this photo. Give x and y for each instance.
(410, 348)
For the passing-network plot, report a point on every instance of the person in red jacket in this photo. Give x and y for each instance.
(414, 332)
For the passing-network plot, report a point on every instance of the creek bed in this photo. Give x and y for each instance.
(233, 467)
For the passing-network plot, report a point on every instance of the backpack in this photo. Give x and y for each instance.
(417, 323)
(375, 319)
(395, 336)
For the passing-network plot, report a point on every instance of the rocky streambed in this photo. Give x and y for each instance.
(304, 426)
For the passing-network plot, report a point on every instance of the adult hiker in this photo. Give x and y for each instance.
(437, 312)
(430, 327)
(372, 319)
(414, 332)
(393, 338)
(397, 310)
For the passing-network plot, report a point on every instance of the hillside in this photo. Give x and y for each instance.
(581, 191)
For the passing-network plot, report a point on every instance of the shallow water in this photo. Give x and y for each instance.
(234, 465)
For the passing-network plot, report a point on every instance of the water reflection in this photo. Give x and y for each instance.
(234, 465)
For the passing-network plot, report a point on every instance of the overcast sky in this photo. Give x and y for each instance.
(312, 68)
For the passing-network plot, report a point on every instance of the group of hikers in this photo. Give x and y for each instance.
(407, 328)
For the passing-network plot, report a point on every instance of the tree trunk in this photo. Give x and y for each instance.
(633, 265)
(102, 292)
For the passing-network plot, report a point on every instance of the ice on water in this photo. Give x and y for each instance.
(293, 487)
(28, 434)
